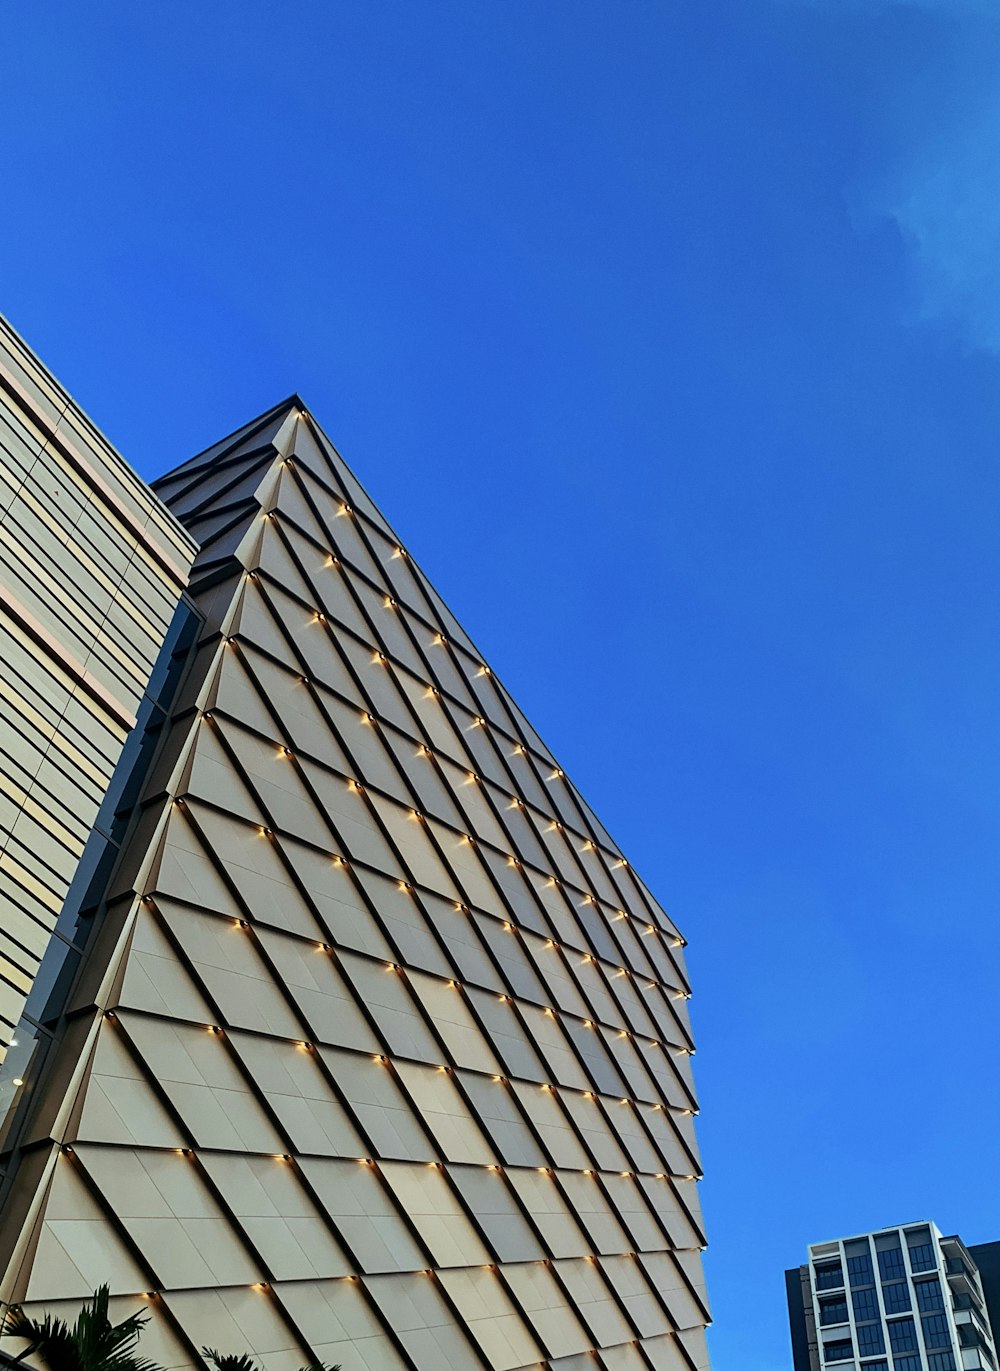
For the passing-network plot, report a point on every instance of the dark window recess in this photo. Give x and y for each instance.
(841, 1350)
(929, 1296)
(903, 1336)
(865, 1305)
(881, 1365)
(968, 1336)
(896, 1297)
(833, 1311)
(941, 1361)
(860, 1270)
(936, 1332)
(955, 1266)
(907, 1364)
(829, 1276)
(890, 1264)
(870, 1339)
(922, 1257)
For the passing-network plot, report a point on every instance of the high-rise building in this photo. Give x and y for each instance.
(899, 1299)
(91, 568)
(378, 1051)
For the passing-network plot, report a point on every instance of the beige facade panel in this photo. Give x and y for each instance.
(91, 569)
(389, 1063)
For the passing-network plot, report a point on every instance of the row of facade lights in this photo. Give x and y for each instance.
(554, 882)
(405, 888)
(381, 659)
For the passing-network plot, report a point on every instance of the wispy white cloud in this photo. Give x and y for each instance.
(934, 167)
(946, 202)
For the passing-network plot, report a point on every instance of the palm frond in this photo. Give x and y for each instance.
(51, 1338)
(229, 1361)
(92, 1344)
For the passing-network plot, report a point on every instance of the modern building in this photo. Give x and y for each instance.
(899, 1299)
(378, 1049)
(91, 568)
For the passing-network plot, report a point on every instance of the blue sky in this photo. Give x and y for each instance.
(668, 336)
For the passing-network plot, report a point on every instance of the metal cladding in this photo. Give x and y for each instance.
(382, 1055)
(91, 566)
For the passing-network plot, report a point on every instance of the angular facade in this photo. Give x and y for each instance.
(91, 568)
(899, 1299)
(380, 1051)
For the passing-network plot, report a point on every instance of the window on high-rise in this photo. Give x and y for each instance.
(941, 1361)
(903, 1336)
(936, 1331)
(929, 1296)
(859, 1268)
(907, 1364)
(870, 1340)
(833, 1310)
(829, 1276)
(896, 1297)
(841, 1350)
(865, 1305)
(890, 1263)
(922, 1257)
